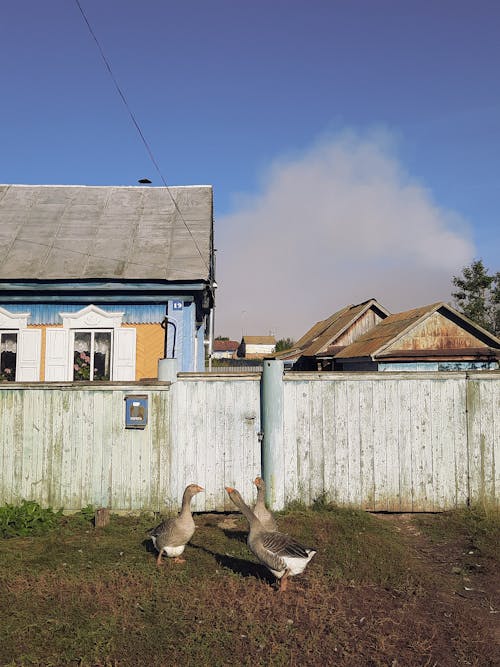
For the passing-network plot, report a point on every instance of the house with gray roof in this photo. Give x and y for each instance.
(88, 275)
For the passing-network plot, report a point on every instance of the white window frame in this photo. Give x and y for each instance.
(59, 357)
(28, 353)
(18, 340)
(92, 333)
(91, 319)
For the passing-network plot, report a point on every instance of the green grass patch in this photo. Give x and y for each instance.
(83, 596)
(27, 518)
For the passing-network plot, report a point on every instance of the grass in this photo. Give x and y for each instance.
(81, 596)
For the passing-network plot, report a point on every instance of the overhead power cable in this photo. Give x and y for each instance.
(138, 128)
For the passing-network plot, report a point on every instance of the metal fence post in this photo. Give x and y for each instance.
(272, 427)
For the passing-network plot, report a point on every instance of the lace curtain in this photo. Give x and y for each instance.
(8, 342)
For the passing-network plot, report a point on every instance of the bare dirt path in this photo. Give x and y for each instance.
(463, 588)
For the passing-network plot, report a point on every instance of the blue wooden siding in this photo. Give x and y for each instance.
(49, 313)
(184, 319)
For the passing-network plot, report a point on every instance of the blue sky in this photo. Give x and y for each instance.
(353, 146)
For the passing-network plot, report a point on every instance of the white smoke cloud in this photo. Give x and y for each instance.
(337, 225)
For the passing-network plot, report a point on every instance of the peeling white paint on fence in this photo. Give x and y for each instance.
(382, 441)
(483, 409)
(66, 446)
(215, 425)
(386, 443)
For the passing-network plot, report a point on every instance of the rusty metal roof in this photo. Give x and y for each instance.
(105, 232)
(374, 342)
(225, 345)
(322, 336)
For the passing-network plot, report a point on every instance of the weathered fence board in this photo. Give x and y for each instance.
(66, 446)
(215, 443)
(483, 412)
(386, 441)
(393, 442)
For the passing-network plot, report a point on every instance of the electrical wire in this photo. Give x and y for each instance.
(138, 128)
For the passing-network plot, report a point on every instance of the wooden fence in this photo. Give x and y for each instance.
(382, 441)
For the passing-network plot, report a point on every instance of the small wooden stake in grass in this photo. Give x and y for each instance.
(101, 517)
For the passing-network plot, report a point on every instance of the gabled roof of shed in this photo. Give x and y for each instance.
(225, 345)
(259, 340)
(386, 333)
(324, 333)
(75, 232)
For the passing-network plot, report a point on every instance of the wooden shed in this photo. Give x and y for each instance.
(317, 347)
(431, 338)
(256, 347)
(88, 274)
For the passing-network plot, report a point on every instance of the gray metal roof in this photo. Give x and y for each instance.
(76, 232)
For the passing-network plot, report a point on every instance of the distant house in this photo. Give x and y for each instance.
(256, 347)
(88, 274)
(317, 347)
(224, 349)
(432, 338)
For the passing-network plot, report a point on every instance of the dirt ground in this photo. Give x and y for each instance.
(421, 595)
(464, 609)
(452, 620)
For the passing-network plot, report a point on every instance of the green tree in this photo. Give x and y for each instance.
(478, 295)
(284, 344)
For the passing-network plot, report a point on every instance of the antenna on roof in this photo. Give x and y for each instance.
(144, 181)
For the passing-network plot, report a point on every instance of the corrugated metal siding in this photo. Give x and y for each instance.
(43, 313)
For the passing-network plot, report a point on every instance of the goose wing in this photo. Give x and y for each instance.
(164, 533)
(284, 546)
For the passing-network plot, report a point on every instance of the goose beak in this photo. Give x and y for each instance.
(199, 488)
(229, 489)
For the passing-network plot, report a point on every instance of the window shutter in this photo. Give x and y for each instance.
(56, 355)
(124, 354)
(28, 360)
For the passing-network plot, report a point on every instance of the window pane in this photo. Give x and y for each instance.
(102, 355)
(8, 354)
(81, 356)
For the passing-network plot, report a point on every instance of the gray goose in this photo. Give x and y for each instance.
(260, 510)
(172, 535)
(280, 553)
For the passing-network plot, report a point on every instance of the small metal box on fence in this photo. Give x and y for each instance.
(136, 411)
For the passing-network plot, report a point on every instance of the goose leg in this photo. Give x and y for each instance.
(284, 582)
(177, 559)
(159, 561)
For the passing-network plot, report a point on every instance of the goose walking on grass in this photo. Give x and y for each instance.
(172, 535)
(280, 553)
(260, 510)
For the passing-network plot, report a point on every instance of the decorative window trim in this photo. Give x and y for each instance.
(13, 320)
(28, 355)
(59, 353)
(92, 317)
